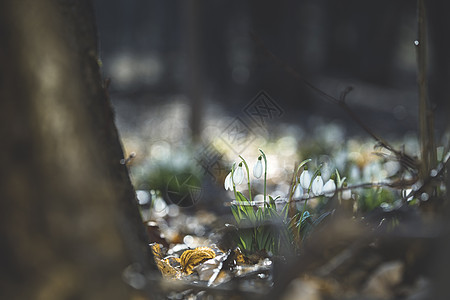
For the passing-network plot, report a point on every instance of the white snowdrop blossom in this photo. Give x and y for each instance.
(238, 175)
(329, 188)
(298, 193)
(228, 183)
(305, 179)
(317, 185)
(258, 168)
(346, 194)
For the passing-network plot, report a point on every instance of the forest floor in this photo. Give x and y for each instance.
(379, 244)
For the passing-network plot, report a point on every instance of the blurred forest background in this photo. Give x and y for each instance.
(182, 72)
(183, 75)
(201, 54)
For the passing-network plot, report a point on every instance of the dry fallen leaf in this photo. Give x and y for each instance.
(191, 258)
(166, 269)
(156, 250)
(165, 265)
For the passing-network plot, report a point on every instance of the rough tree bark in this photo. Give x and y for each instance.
(69, 223)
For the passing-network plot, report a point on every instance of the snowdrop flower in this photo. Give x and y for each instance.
(238, 175)
(228, 183)
(298, 193)
(258, 168)
(329, 188)
(305, 179)
(317, 185)
(346, 194)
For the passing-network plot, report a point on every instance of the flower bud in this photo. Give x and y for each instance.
(305, 179)
(317, 185)
(258, 168)
(238, 175)
(329, 188)
(346, 194)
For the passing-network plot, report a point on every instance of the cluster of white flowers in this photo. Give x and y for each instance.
(316, 187)
(238, 174)
(308, 184)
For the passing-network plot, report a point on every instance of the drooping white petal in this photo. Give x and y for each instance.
(305, 179)
(347, 194)
(238, 175)
(228, 184)
(317, 186)
(298, 193)
(329, 188)
(258, 169)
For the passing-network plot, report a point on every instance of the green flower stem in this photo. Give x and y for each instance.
(301, 216)
(248, 179)
(296, 175)
(316, 173)
(294, 187)
(265, 176)
(233, 168)
(306, 200)
(292, 208)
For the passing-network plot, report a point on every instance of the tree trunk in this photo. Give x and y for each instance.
(69, 223)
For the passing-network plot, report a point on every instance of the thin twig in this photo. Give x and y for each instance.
(398, 184)
(426, 122)
(291, 208)
(430, 177)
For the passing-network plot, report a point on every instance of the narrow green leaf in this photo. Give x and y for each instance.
(251, 213)
(242, 241)
(236, 213)
(241, 198)
(338, 178)
(271, 202)
(285, 211)
(265, 238)
(321, 218)
(259, 215)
